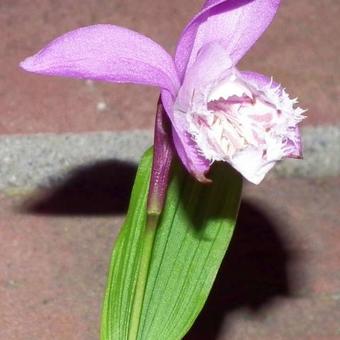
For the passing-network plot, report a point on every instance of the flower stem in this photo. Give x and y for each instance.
(149, 237)
(161, 165)
(162, 158)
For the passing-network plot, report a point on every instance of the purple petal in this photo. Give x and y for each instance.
(186, 147)
(294, 145)
(188, 152)
(187, 39)
(211, 62)
(109, 53)
(260, 80)
(236, 24)
(210, 3)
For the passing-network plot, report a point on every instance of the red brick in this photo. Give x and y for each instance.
(280, 279)
(299, 50)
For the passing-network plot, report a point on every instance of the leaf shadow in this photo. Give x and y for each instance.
(100, 188)
(224, 185)
(253, 273)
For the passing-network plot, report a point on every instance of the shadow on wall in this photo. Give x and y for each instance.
(254, 272)
(102, 188)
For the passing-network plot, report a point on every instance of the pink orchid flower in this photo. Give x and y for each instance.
(217, 112)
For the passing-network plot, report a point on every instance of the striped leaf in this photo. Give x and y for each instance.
(186, 249)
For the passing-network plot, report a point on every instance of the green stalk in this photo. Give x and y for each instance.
(149, 237)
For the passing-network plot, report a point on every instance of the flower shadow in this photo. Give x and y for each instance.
(253, 273)
(101, 188)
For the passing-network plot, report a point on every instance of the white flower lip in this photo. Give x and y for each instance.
(250, 127)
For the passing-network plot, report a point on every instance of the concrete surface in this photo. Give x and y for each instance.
(280, 279)
(44, 159)
(300, 50)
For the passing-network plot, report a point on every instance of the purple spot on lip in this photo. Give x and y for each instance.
(223, 104)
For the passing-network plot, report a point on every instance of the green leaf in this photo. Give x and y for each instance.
(160, 277)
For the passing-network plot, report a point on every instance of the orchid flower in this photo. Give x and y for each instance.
(217, 112)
